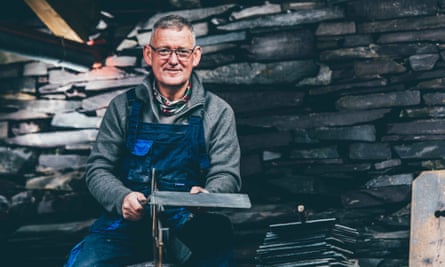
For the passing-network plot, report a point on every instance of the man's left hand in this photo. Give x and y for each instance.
(197, 190)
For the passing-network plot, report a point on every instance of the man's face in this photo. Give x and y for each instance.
(172, 72)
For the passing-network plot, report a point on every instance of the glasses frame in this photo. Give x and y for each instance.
(170, 52)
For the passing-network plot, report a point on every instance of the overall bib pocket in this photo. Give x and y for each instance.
(142, 147)
(140, 163)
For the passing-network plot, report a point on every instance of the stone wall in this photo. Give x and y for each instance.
(339, 107)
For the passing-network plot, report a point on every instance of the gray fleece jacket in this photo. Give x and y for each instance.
(220, 134)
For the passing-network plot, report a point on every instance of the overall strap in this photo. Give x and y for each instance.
(196, 123)
(135, 107)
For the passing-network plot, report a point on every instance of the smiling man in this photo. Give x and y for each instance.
(174, 131)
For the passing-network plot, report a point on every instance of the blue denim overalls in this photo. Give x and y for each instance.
(178, 154)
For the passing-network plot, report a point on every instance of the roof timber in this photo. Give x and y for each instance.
(69, 19)
(48, 48)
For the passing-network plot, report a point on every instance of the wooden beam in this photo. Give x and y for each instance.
(49, 48)
(69, 19)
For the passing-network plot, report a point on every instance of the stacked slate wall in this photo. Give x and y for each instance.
(339, 107)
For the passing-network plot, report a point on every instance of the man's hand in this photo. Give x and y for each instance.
(198, 189)
(131, 206)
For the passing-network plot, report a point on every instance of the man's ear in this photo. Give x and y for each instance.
(197, 52)
(147, 55)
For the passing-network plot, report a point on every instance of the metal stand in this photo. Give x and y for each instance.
(158, 242)
(158, 199)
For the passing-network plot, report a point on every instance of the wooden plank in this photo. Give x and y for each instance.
(68, 19)
(214, 200)
(427, 246)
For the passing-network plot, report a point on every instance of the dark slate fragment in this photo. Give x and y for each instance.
(58, 181)
(382, 9)
(337, 170)
(104, 85)
(265, 100)
(401, 50)
(381, 100)
(100, 101)
(27, 127)
(44, 106)
(421, 150)
(62, 76)
(434, 35)
(315, 153)
(387, 164)
(54, 139)
(52, 162)
(335, 28)
(352, 133)
(424, 79)
(315, 120)
(18, 85)
(281, 45)
(15, 161)
(370, 151)
(430, 126)
(258, 73)
(348, 87)
(261, 141)
(357, 40)
(35, 68)
(214, 60)
(304, 16)
(402, 24)
(251, 164)
(412, 137)
(423, 62)
(376, 197)
(297, 184)
(3, 129)
(195, 14)
(389, 180)
(221, 38)
(265, 9)
(438, 83)
(23, 115)
(361, 52)
(75, 120)
(377, 66)
(434, 99)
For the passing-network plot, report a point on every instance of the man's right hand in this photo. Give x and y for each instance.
(132, 209)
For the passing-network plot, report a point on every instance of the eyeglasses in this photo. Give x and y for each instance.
(164, 53)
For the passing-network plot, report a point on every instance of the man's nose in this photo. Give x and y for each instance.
(173, 59)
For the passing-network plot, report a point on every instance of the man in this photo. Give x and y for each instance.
(186, 136)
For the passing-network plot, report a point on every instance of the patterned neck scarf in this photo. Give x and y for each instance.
(168, 107)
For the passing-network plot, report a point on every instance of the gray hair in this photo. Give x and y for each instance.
(173, 21)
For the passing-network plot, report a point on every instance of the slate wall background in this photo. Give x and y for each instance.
(339, 107)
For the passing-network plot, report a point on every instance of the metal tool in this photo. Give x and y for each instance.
(158, 199)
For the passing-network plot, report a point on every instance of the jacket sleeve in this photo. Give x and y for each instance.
(223, 148)
(101, 173)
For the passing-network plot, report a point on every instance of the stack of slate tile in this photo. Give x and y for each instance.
(321, 242)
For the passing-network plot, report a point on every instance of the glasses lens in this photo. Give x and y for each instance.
(164, 52)
(183, 53)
